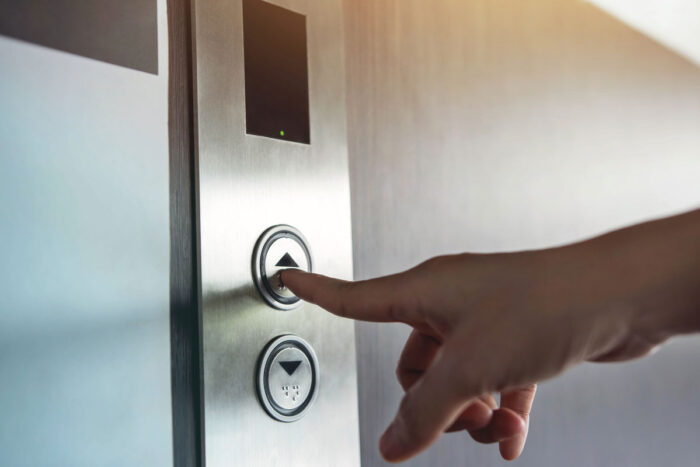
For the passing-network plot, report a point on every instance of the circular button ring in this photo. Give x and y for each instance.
(287, 378)
(278, 248)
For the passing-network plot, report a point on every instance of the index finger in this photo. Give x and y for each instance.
(385, 299)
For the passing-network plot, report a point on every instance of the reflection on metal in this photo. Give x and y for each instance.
(248, 183)
(674, 23)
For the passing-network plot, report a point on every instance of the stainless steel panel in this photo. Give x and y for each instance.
(496, 125)
(85, 376)
(247, 184)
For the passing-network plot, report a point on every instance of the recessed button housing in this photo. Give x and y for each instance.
(287, 378)
(278, 248)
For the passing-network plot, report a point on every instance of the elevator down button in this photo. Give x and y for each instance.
(287, 378)
(278, 248)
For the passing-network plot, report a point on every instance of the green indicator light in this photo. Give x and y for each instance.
(282, 133)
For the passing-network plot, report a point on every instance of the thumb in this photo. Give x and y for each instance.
(426, 411)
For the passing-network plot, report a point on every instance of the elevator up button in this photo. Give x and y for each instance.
(287, 378)
(278, 248)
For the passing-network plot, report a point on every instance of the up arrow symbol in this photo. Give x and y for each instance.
(287, 262)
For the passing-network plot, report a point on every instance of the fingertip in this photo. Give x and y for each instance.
(381, 300)
(512, 446)
(390, 446)
(295, 280)
(313, 288)
(291, 277)
(511, 449)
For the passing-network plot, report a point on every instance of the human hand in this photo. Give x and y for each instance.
(482, 324)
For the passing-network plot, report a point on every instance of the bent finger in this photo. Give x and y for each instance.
(475, 416)
(417, 355)
(426, 411)
(504, 424)
(519, 401)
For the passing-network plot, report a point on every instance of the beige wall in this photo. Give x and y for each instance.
(491, 125)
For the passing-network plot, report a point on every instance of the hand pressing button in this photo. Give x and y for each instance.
(278, 248)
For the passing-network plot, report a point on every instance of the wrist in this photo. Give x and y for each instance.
(651, 273)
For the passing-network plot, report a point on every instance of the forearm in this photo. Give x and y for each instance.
(653, 271)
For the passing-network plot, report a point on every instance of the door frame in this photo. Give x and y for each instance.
(185, 296)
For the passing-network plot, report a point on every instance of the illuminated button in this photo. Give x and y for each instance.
(278, 248)
(287, 378)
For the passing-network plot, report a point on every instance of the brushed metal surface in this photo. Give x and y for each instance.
(497, 125)
(247, 184)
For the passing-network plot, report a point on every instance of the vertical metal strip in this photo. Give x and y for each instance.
(185, 316)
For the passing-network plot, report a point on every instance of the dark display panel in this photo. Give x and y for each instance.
(123, 32)
(276, 72)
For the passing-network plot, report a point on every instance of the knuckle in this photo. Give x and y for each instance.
(439, 262)
(431, 264)
(528, 395)
(407, 377)
(398, 312)
(403, 380)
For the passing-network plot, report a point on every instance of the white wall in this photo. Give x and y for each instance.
(674, 23)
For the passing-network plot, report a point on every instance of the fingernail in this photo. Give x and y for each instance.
(389, 444)
(287, 272)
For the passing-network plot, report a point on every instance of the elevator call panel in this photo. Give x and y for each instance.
(279, 374)
(288, 371)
